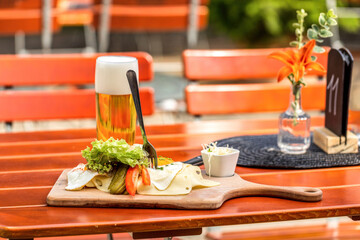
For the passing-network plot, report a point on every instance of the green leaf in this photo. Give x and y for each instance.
(322, 20)
(319, 40)
(331, 14)
(104, 155)
(303, 13)
(318, 49)
(315, 27)
(300, 14)
(332, 22)
(312, 34)
(296, 25)
(325, 33)
(294, 43)
(298, 32)
(313, 58)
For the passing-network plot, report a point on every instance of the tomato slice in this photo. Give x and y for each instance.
(145, 176)
(131, 180)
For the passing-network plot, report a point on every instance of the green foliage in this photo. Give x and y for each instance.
(299, 28)
(104, 155)
(258, 22)
(322, 30)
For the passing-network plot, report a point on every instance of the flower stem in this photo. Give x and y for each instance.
(295, 104)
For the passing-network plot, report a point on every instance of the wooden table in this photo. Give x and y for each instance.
(30, 164)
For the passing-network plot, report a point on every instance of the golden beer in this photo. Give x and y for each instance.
(116, 117)
(115, 109)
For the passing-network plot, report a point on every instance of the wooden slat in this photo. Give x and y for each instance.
(30, 179)
(151, 18)
(340, 177)
(40, 161)
(312, 178)
(24, 16)
(315, 231)
(67, 146)
(24, 196)
(24, 4)
(247, 126)
(25, 20)
(47, 135)
(234, 64)
(245, 98)
(61, 68)
(171, 142)
(70, 160)
(58, 104)
(27, 196)
(61, 221)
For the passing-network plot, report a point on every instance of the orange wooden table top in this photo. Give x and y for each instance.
(30, 163)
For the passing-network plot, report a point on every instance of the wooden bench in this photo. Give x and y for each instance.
(212, 91)
(239, 64)
(221, 83)
(149, 16)
(22, 17)
(65, 74)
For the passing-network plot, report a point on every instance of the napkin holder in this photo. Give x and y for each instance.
(331, 143)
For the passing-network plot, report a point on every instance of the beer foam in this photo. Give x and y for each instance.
(110, 74)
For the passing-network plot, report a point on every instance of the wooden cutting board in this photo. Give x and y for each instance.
(205, 198)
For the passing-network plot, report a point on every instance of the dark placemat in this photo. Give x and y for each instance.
(262, 151)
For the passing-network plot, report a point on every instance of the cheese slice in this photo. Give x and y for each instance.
(78, 177)
(181, 185)
(102, 182)
(184, 181)
(162, 177)
(197, 181)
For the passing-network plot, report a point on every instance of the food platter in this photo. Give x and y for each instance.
(203, 198)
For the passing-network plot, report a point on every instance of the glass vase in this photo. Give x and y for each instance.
(294, 125)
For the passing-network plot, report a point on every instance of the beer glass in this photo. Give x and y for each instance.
(115, 109)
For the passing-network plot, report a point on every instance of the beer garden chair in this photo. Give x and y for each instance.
(28, 17)
(58, 86)
(243, 81)
(139, 16)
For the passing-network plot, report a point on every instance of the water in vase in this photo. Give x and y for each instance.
(294, 133)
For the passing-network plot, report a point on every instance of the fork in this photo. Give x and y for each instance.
(147, 146)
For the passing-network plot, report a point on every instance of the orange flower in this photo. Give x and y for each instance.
(297, 62)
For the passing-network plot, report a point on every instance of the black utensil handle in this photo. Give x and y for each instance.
(134, 87)
(196, 161)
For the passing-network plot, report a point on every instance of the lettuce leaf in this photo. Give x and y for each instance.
(105, 155)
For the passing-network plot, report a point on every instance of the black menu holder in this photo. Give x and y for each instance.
(334, 137)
